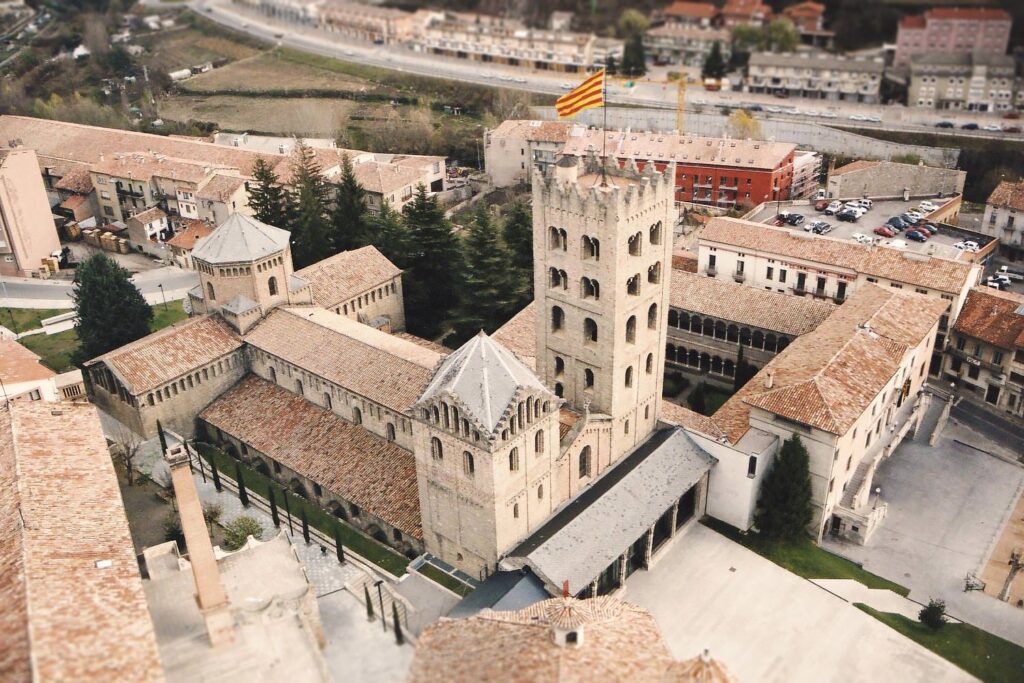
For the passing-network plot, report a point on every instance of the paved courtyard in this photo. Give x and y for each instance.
(948, 504)
(769, 625)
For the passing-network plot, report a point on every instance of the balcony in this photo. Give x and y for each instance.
(971, 360)
(711, 271)
(703, 184)
(739, 276)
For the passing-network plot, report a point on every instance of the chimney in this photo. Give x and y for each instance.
(769, 379)
(210, 594)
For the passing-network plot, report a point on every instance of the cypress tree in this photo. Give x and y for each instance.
(390, 235)
(488, 295)
(785, 507)
(338, 546)
(305, 525)
(243, 495)
(714, 65)
(349, 225)
(216, 475)
(369, 603)
(111, 310)
(434, 271)
(199, 460)
(273, 507)
(399, 636)
(611, 67)
(163, 437)
(634, 59)
(268, 199)
(287, 508)
(310, 224)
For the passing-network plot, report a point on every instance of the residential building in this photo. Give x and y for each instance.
(556, 640)
(949, 30)
(985, 353)
(74, 607)
(560, 21)
(27, 231)
(875, 179)
(381, 25)
(516, 148)
(806, 174)
(1004, 216)
(298, 11)
(699, 14)
(807, 17)
(745, 13)
(184, 241)
(686, 44)
(816, 76)
(963, 80)
(148, 230)
(23, 375)
(716, 171)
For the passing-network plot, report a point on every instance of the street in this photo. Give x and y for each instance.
(32, 293)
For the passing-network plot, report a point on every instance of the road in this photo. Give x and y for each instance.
(32, 293)
(651, 91)
(995, 427)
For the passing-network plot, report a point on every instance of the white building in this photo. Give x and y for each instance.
(1004, 215)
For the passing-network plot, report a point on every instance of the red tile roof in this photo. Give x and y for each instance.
(694, 10)
(348, 274)
(194, 230)
(343, 458)
(994, 317)
(969, 13)
(1009, 194)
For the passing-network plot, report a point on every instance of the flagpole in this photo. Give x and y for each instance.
(604, 130)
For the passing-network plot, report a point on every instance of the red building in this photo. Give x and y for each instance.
(714, 171)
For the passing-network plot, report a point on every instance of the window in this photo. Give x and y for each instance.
(357, 416)
(272, 286)
(649, 368)
(652, 317)
(625, 429)
(538, 442)
(299, 388)
(782, 275)
(590, 289)
(633, 285)
(559, 367)
(558, 278)
(436, 449)
(590, 331)
(634, 244)
(584, 465)
(559, 390)
(654, 273)
(540, 492)
(515, 511)
(513, 460)
(770, 273)
(390, 430)
(752, 466)
(629, 376)
(557, 319)
(327, 400)
(468, 467)
(631, 329)
(591, 248)
(997, 357)
(588, 379)
(209, 291)
(317, 490)
(656, 233)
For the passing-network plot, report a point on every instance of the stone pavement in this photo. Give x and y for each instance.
(357, 650)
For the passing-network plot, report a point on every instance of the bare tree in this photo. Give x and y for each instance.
(127, 444)
(212, 513)
(95, 34)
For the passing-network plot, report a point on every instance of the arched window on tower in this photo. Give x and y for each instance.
(436, 449)
(209, 292)
(468, 467)
(649, 366)
(633, 285)
(652, 317)
(631, 329)
(559, 366)
(557, 319)
(629, 376)
(588, 379)
(589, 331)
(538, 442)
(584, 464)
(513, 460)
(357, 416)
(272, 286)
(654, 273)
(656, 233)
(591, 247)
(635, 243)
(590, 289)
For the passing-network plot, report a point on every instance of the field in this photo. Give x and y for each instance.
(268, 72)
(301, 116)
(24, 319)
(182, 48)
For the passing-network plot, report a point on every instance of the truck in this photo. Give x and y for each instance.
(1015, 275)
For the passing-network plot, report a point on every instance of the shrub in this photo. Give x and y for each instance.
(933, 615)
(237, 532)
(172, 529)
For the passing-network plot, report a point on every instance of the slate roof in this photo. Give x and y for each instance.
(726, 300)
(170, 353)
(994, 317)
(620, 642)
(348, 274)
(587, 535)
(240, 238)
(485, 378)
(827, 378)
(62, 618)
(386, 369)
(344, 458)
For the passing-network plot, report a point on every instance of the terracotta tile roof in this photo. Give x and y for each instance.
(345, 459)
(785, 313)
(144, 166)
(1009, 194)
(62, 618)
(619, 642)
(534, 131)
(695, 10)
(805, 9)
(828, 377)
(858, 165)
(969, 13)
(381, 178)
(915, 21)
(78, 180)
(18, 364)
(910, 268)
(567, 419)
(74, 201)
(348, 274)
(425, 343)
(677, 30)
(384, 368)
(170, 353)
(683, 149)
(519, 335)
(193, 230)
(220, 187)
(148, 216)
(994, 317)
(688, 419)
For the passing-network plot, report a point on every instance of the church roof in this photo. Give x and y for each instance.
(240, 238)
(485, 377)
(348, 274)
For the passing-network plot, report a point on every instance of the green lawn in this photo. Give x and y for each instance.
(806, 559)
(714, 397)
(321, 519)
(162, 317)
(449, 582)
(977, 652)
(24, 319)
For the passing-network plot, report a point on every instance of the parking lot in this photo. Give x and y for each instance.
(940, 245)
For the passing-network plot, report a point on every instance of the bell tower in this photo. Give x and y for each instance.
(602, 244)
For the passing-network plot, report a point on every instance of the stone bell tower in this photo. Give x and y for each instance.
(602, 244)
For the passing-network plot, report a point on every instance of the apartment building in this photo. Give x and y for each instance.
(985, 354)
(1004, 216)
(516, 147)
(27, 231)
(298, 11)
(697, 14)
(715, 171)
(745, 13)
(984, 30)
(968, 81)
(816, 76)
(807, 17)
(686, 44)
(382, 25)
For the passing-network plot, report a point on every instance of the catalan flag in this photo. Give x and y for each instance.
(588, 94)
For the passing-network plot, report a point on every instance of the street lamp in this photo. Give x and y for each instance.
(162, 294)
(380, 598)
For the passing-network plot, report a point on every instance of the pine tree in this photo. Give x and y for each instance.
(216, 475)
(390, 235)
(111, 310)
(369, 603)
(310, 224)
(488, 295)
(517, 231)
(349, 224)
(714, 65)
(434, 271)
(243, 495)
(785, 505)
(305, 525)
(611, 67)
(399, 636)
(274, 517)
(634, 59)
(338, 546)
(269, 200)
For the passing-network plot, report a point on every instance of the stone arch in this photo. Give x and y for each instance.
(652, 317)
(337, 509)
(272, 286)
(770, 342)
(670, 352)
(716, 365)
(757, 339)
(729, 367)
(732, 334)
(298, 488)
(631, 329)
(684, 321)
(782, 344)
(705, 362)
(673, 318)
(720, 329)
(693, 358)
(209, 291)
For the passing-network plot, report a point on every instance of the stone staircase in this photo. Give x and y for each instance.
(857, 482)
(362, 579)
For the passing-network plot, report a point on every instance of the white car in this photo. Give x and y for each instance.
(864, 203)
(812, 112)
(860, 238)
(773, 110)
(829, 115)
(915, 214)
(519, 79)
(858, 117)
(873, 119)
(993, 128)
(567, 86)
(928, 206)
(896, 244)
(969, 245)
(835, 207)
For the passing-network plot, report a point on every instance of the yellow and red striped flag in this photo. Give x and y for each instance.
(588, 94)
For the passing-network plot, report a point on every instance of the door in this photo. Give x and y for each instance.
(992, 395)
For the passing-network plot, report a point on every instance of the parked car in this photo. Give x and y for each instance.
(896, 244)
(821, 228)
(793, 219)
(993, 128)
(1012, 114)
(945, 124)
(1006, 272)
(970, 126)
(858, 117)
(928, 206)
(896, 223)
(910, 219)
(1011, 129)
(915, 236)
(848, 215)
(871, 118)
(861, 238)
(834, 208)
(930, 227)
(885, 231)
(1001, 278)
(821, 204)
(968, 245)
(996, 284)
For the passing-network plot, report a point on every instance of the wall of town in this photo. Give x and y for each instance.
(894, 179)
